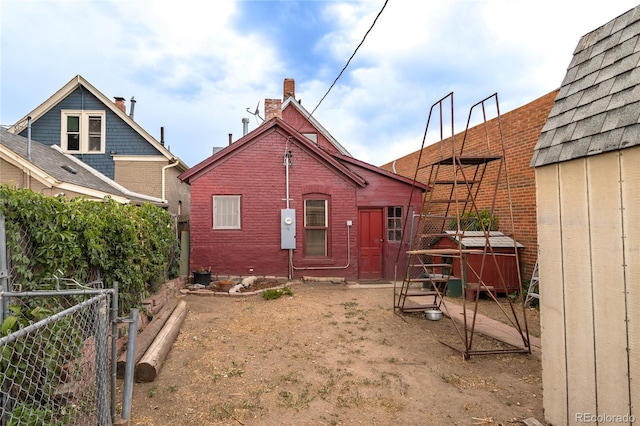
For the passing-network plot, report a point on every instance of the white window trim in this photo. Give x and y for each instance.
(326, 211)
(237, 212)
(324, 227)
(140, 158)
(84, 130)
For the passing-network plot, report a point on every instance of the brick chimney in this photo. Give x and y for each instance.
(272, 108)
(289, 89)
(120, 104)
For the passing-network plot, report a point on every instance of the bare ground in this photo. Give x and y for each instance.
(332, 355)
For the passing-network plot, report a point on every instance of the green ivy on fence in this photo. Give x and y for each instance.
(134, 245)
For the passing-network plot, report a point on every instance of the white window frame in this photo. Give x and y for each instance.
(84, 130)
(324, 227)
(394, 224)
(226, 212)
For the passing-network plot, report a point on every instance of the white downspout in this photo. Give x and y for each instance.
(164, 183)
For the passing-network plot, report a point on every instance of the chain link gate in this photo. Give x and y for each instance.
(55, 368)
(56, 371)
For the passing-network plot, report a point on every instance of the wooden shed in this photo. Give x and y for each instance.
(587, 166)
(484, 266)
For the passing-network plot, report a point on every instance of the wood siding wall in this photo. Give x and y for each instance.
(588, 215)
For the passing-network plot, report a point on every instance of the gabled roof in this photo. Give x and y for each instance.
(274, 123)
(311, 119)
(598, 106)
(72, 85)
(53, 168)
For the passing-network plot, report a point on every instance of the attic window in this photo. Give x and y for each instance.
(83, 132)
(311, 136)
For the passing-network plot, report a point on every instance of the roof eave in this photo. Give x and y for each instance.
(63, 92)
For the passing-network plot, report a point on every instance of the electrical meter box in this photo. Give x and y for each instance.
(288, 229)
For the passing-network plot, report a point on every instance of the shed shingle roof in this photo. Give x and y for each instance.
(478, 239)
(598, 106)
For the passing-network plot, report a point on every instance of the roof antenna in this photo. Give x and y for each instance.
(256, 113)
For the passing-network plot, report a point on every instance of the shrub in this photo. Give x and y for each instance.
(472, 221)
(84, 239)
(277, 293)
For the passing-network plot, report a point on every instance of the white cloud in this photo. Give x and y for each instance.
(195, 74)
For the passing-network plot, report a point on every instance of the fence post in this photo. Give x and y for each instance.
(114, 349)
(127, 392)
(4, 303)
(102, 332)
(4, 269)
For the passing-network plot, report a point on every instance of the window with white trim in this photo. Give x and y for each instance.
(316, 219)
(226, 212)
(394, 223)
(83, 132)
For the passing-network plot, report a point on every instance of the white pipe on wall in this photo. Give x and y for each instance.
(164, 184)
(316, 268)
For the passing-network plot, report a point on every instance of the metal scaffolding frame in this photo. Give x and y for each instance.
(454, 182)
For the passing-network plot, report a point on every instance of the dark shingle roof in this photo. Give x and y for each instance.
(598, 106)
(61, 167)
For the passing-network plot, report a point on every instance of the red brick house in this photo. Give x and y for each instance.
(521, 129)
(288, 200)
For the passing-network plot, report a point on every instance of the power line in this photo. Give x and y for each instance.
(352, 55)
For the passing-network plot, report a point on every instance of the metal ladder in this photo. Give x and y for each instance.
(533, 292)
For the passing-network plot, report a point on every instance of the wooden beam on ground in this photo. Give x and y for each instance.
(151, 362)
(147, 336)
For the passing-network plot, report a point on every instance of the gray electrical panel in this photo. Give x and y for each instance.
(288, 229)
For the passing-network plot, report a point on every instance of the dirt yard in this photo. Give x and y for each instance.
(331, 355)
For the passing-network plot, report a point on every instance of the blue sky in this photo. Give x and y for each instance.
(196, 69)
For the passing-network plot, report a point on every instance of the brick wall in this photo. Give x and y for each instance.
(143, 177)
(293, 117)
(521, 130)
(272, 108)
(256, 172)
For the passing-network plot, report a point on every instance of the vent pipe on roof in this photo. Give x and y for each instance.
(29, 139)
(133, 106)
(162, 136)
(245, 126)
(230, 138)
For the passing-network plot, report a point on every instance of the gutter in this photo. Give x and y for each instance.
(164, 184)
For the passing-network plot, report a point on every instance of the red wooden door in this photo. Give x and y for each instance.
(370, 243)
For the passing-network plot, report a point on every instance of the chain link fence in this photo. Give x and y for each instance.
(56, 371)
(55, 348)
